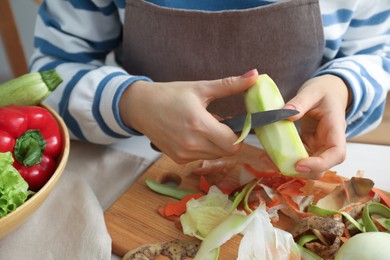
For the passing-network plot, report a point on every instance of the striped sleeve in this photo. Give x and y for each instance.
(75, 37)
(357, 38)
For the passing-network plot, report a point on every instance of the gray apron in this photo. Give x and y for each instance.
(284, 40)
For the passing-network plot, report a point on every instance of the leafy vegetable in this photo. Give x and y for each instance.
(13, 188)
(204, 214)
(281, 139)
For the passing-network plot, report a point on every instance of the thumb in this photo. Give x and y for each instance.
(232, 85)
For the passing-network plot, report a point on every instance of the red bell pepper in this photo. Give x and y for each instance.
(33, 136)
(37, 175)
(7, 142)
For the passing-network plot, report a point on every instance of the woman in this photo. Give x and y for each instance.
(330, 59)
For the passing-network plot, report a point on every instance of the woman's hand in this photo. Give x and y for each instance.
(322, 102)
(173, 116)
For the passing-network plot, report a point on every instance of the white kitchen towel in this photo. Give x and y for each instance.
(70, 223)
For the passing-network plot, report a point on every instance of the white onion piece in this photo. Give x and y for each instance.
(369, 245)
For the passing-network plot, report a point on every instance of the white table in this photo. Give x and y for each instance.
(373, 160)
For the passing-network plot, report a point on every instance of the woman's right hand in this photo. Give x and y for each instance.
(173, 116)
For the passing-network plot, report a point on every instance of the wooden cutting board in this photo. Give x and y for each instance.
(133, 220)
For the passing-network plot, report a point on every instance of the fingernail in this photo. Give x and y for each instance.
(289, 106)
(249, 73)
(302, 169)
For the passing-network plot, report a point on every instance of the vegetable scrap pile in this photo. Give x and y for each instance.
(30, 138)
(313, 218)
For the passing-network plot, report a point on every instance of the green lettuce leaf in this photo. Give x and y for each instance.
(204, 214)
(13, 188)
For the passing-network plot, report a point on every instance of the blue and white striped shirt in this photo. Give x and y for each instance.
(75, 37)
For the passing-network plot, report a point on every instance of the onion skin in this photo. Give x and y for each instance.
(369, 245)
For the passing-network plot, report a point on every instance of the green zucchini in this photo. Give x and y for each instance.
(29, 89)
(280, 140)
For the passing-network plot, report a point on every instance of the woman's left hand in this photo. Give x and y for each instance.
(322, 103)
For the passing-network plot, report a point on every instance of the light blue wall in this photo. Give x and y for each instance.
(25, 12)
